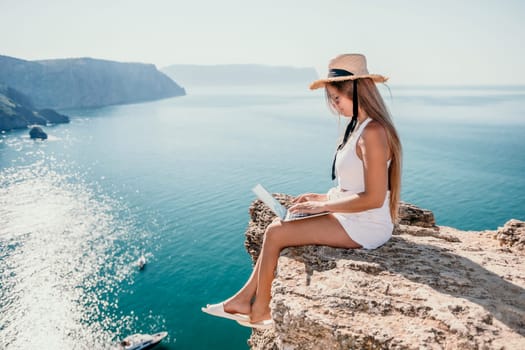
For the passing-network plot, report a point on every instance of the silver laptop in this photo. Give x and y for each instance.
(278, 208)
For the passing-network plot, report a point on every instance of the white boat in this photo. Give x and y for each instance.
(141, 262)
(141, 341)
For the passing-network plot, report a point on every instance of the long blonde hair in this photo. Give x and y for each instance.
(370, 100)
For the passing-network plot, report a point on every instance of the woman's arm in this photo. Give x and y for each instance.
(372, 148)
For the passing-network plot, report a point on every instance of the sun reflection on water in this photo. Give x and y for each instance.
(61, 262)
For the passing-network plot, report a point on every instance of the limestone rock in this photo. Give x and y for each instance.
(512, 234)
(414, 216)
(427, 288)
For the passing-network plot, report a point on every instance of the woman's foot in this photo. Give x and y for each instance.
(260, 317)
(237, 305)
(219, 311)
(260, 313)
(235, 308)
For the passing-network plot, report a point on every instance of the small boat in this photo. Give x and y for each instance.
(141, 262)
(141, 341)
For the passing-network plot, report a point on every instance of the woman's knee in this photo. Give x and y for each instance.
(271, 235)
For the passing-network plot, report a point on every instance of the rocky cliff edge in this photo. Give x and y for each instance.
(429, 287)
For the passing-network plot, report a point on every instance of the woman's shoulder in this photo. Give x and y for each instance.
(374, 131)
(374, 139)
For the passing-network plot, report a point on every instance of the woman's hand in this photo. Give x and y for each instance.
(309, 203)
(308, 207)
(310, 197)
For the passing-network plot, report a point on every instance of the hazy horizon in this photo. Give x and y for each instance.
(397, 85)
(430, 43)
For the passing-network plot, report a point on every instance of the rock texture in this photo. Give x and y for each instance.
(428, 288)
(512, 235)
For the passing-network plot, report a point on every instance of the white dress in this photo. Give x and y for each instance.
(370, 228)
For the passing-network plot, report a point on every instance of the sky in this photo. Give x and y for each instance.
(445, 42)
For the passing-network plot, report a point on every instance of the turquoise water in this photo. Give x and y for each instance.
(171, 179)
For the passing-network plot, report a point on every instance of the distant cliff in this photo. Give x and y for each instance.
(85, 82)
(429, 287)
(17, 111)
(239, 75)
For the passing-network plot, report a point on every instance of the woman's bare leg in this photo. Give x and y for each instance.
(241, 301)
(322, 230)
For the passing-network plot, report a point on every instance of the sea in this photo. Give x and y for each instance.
(172, 179)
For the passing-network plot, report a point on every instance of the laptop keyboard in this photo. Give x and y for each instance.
(297, 215)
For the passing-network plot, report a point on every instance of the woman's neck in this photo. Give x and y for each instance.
(362, 116)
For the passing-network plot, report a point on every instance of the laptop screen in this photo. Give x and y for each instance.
(270, 201)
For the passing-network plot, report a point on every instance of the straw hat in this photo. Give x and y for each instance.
(347, 67)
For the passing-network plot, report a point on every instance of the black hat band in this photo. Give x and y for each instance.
(334, 73)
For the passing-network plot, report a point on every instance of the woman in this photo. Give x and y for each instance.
(364, 204)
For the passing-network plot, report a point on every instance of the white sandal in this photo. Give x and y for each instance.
(218, 310)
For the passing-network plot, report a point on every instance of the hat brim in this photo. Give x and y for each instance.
(322, 82)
